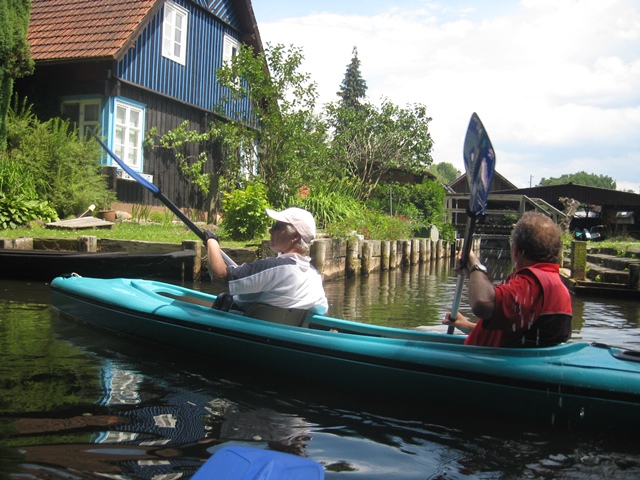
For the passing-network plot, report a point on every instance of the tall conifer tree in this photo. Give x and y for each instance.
(353, 87)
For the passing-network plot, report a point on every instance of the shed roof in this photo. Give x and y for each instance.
(584, 194)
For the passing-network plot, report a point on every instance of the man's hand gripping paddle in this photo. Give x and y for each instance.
(479, 163)
(160, 196)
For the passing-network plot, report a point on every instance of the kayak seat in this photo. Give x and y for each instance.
(295, 317)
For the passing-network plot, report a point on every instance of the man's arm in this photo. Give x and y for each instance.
(481, 293)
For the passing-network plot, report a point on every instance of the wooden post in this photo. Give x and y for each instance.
(193, 272)
(393, 255)
(88, 243)
(367, 254)
(385, 253)
(23, 243)
(424, 253)
(318, 252)
(415, 251)
(634, 276)
(406, 252)
(353, 265)
(578, 260)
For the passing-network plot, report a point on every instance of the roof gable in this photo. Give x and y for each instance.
(461, 184)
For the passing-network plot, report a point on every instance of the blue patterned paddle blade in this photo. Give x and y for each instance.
(479, 163)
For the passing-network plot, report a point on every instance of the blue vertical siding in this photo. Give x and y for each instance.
(222, 9)
(195, 82)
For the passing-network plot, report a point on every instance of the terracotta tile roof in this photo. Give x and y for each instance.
(80, 29)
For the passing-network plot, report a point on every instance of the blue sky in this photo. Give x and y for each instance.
(555, 82)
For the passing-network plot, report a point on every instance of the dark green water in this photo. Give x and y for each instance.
(79, 403)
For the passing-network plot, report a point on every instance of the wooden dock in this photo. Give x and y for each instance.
(80, 223)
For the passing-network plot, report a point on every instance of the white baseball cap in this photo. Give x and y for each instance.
(301, 220)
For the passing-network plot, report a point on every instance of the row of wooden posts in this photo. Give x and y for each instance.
(333, 258)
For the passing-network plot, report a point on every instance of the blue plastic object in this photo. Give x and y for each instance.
(243, 463)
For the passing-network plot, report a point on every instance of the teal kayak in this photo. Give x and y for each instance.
(571, 385)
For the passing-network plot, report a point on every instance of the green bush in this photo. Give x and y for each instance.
(16, 180)
(328, 205)
(244, 213)
(65, 169)
(19, 211)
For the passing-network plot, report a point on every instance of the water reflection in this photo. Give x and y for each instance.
(78, 403)
(407, 297)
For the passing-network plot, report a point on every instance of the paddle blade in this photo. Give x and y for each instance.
(479, 163)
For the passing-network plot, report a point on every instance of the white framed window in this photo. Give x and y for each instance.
(128, 131)
(231, 48)
(83, 113)
(174, 32)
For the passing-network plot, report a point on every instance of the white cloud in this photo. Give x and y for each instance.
(555, 82)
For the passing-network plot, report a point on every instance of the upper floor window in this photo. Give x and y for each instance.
(83, 113)
(174, 32)
(230, 49)
(127, 133)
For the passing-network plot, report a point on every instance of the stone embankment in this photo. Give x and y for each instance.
(593, 269)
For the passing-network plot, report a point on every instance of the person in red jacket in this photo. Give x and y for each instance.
(532, 307)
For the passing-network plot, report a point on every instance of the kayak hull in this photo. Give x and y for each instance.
(572, 385)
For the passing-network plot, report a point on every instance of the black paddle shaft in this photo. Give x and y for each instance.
(479, 163)
(160, 196)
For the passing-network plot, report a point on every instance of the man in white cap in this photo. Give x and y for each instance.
(288, 280)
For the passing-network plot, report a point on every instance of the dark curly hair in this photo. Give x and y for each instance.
(537, 238)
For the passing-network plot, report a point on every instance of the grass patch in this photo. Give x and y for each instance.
(151, 232)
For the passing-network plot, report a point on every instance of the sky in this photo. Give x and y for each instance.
(556, 83)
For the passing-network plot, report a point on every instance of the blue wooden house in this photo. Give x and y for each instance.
(125, 66)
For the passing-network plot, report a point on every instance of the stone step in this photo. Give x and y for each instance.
(600, 273)
(611, 261)
(633, 253)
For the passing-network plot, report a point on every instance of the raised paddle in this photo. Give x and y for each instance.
(479, 163)
(160, 196)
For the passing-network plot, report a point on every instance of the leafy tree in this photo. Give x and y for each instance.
(288, 149)
(370, 142)
(15, 56)
(581, 178)
(353, 88)
(445, 172)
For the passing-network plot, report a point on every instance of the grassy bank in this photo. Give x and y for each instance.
(149, 232)
(177, 232)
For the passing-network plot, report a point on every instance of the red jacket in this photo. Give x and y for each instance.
(532, 309)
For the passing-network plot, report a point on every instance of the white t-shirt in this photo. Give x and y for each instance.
(288, 281)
